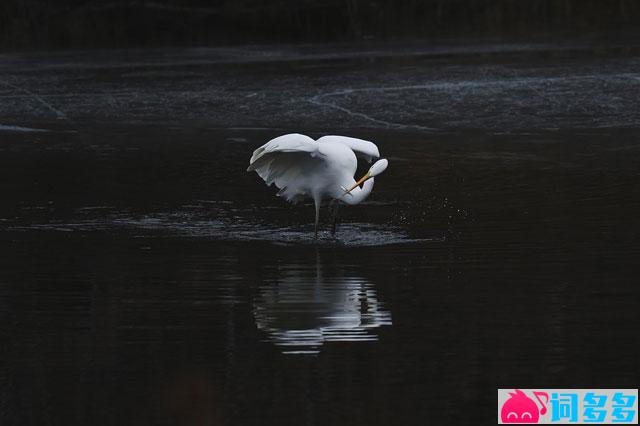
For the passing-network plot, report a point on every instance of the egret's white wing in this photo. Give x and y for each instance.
(289, 161)
(363, 149)
(293, 142)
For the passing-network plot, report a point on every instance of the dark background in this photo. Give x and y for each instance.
(40, 24)
(145, 276)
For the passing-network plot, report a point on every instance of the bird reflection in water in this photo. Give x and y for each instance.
(302, 309)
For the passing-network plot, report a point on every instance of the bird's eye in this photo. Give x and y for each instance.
(515, 415)
(526, 414)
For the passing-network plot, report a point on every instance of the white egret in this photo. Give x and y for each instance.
(303, 168)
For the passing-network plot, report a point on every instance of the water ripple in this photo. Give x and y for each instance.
(230, 225)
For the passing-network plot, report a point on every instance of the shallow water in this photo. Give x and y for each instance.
(148, 279)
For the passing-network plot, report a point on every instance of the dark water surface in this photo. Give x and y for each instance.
(146, 278)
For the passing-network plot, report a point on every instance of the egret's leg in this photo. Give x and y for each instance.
(317, 203)
(334, 215)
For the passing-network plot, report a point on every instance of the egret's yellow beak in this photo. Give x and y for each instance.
(358, 183)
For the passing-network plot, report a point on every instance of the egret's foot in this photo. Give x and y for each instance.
(334, 226)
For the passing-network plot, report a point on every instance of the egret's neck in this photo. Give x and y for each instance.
(358, 195)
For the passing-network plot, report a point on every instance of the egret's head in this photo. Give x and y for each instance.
(377, 168)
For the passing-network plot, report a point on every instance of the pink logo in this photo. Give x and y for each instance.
(519, 408)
